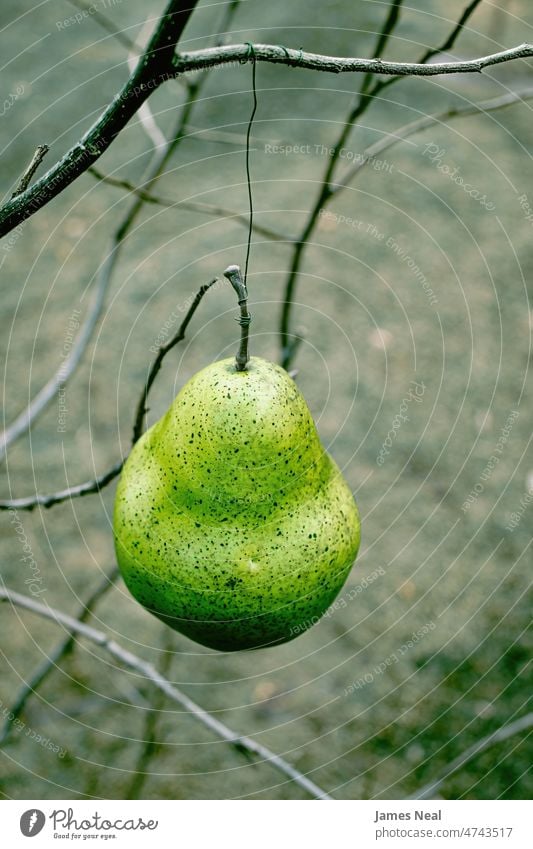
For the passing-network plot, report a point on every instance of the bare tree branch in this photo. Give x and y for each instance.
(497, 736)
(491, 105)
(150, 747)
(36, 160)
(291, 342)
(106, 24)
(150, 673)
(138, 424)
(39, 403)
(153, 68)
(30, 502)
(367, 95)
(449, 42)
(50, 662)
(193, 206)
(210, 57)
(402, 133)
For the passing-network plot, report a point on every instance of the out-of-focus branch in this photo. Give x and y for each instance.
(193, 206)
(498, 736)
(157, 164)
(105, 23)
(449, 42)
(402, 133)
(57, 654)
(151, 674)
(32, 501)
(149, 744)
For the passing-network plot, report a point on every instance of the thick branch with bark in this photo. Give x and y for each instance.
(212, 57)
(160, 158)
(158, 64)
(154, 67)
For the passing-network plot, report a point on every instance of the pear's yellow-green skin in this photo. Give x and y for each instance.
(232, 524)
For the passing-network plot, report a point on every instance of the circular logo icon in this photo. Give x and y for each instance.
(32, 822)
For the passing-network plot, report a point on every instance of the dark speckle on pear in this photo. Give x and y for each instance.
(248, 528)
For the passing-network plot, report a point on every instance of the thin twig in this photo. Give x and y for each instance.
(30, 502)
(497, 736)
(193, 206)
(36, 160)
(52, 660)
(367, 95)
(290, 342)
(150, 673)
(138, 424)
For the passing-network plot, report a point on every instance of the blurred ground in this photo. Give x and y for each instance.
(370, 329)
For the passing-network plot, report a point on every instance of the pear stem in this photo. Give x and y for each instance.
(233, 274)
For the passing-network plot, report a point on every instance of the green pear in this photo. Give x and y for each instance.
(232, 523)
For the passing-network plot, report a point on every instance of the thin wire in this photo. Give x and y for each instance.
(248, 177)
